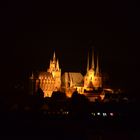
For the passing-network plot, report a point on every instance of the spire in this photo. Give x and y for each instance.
(97, 67)
(32, 76)
(92, 66)
(57, 64)
(54, 56)
(88, 63)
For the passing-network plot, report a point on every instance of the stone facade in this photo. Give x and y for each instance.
(51, 80)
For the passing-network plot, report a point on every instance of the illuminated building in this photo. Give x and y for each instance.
(92, 79)
(51, 80)
(72, 81)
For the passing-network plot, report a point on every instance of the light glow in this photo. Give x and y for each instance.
(111, 114)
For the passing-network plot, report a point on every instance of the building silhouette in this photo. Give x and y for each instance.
(51, 80)
(93, 78)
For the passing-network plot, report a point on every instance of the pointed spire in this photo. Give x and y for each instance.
(57, 64)
(32, 76)
(92, 65)
(54, 56)
(97, 67)
(88, 63)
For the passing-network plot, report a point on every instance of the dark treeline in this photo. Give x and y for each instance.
(24, 114)
(59, 100)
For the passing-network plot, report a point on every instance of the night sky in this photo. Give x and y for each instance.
(31, 31)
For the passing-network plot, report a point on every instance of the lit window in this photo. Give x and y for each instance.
(93, 114)
(104, 114)
(111, 114)
(98, 113)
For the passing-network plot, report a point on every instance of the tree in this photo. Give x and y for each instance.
(39, 94)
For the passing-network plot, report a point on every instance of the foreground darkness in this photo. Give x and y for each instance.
(61, 118)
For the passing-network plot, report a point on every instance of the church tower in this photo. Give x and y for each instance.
(98, 78)
(52, 64)
(55, 70)
(92, 65)
(92, 79)
(89, 77)
(33, 84)
(50, 80)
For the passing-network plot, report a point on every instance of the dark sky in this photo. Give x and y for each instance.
(32, 30)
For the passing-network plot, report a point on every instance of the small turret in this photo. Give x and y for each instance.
(31, 84)
(97, 67)
(32, 76)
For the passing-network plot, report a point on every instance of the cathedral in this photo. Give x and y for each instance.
(52, 80)
(92, 79)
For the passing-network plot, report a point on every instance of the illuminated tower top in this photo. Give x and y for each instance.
(54, 58)
(57, 64)
(92, 65)
(32, 76)
(97, 67)
(54, 64)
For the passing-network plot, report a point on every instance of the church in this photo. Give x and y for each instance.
(92, 79)
(52, 80)
(49, 81)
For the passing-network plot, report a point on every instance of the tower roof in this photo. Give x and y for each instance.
(97, 67)
(32, 76)
(57, 64)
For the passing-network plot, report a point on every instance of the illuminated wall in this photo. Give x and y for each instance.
(51, 80)
(92, 79)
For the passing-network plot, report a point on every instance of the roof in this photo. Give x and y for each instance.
(75, 77)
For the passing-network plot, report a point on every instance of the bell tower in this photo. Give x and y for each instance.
(55, 70)
(92, 77)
